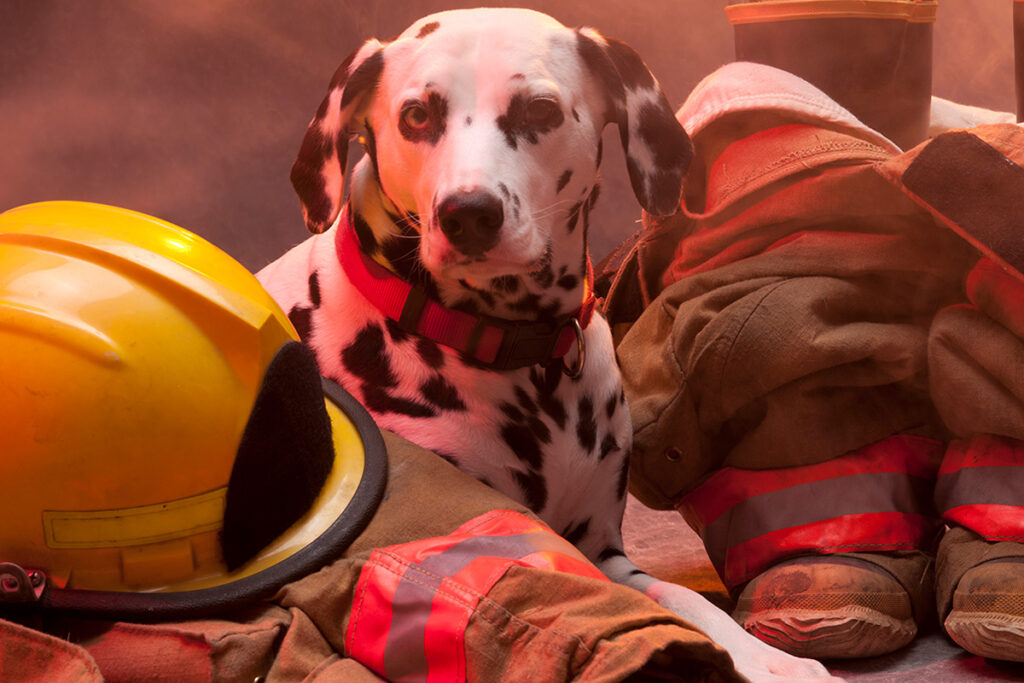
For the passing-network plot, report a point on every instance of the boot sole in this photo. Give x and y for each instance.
(988, 634)
(853, 631)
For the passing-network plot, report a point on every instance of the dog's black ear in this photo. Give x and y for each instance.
(318, 174)
(658, 150)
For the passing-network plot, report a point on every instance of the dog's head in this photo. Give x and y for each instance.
(483, 131)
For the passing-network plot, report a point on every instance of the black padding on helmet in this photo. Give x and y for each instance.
(283, 460)
(222, 600)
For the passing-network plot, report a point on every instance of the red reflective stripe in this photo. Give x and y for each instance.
(413, 602)
(991, 522)
(871, 532)
(982, 451)
(377, 583)
(728, 487)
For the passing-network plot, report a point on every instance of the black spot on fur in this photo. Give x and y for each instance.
(506, 284)
(486, 297)
(609, 553)
(568, 282)
(430, 352)
(516, 125)
(402, 252)
(574, 217)
(503, 188)
(307, 179)
(366, 358)
(631, 68)
(442, 393)
(427, 29)
(672, 153)
(525, 401)
(546, 383)
(563, 180)
(527, 303)
(512, 412)
(396, 332)
(365, 234)
(608, 444)
(611, 406)
(586, 427)
(524, 443)
(534, 487)
(301, 318)
(469, 121)
(577, 532)
(364, 78)
(575, 114)
(470, 306)
(314, 289)
(437, 112)
(379, 400)
(600, 64)
(370, 145)
(545, 277)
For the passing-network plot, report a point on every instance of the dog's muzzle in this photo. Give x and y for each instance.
(471, 220)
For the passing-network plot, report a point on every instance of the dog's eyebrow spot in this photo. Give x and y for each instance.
(469, 120)
(575, 114)
(516, 126)
(437, 111)
(563, 180)
(503, 188)
(428, 28)
(517, 77)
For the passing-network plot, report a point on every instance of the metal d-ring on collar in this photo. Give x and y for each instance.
(581, 348)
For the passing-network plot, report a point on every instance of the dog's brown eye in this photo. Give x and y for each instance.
(541, 110)
(416, 116)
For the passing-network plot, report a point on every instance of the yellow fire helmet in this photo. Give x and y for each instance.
(167, 447)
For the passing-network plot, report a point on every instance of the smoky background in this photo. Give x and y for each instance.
(193, 110)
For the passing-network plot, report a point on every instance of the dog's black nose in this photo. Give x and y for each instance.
(471, 220)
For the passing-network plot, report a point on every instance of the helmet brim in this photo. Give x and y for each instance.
(341, 511)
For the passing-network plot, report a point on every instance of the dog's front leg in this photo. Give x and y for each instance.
(753, 658)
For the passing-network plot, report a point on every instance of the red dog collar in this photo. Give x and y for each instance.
(502, 344)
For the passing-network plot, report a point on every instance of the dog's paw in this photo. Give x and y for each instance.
(758, 661)
(761, 663)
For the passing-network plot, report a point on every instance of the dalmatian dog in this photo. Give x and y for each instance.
(451, 292)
